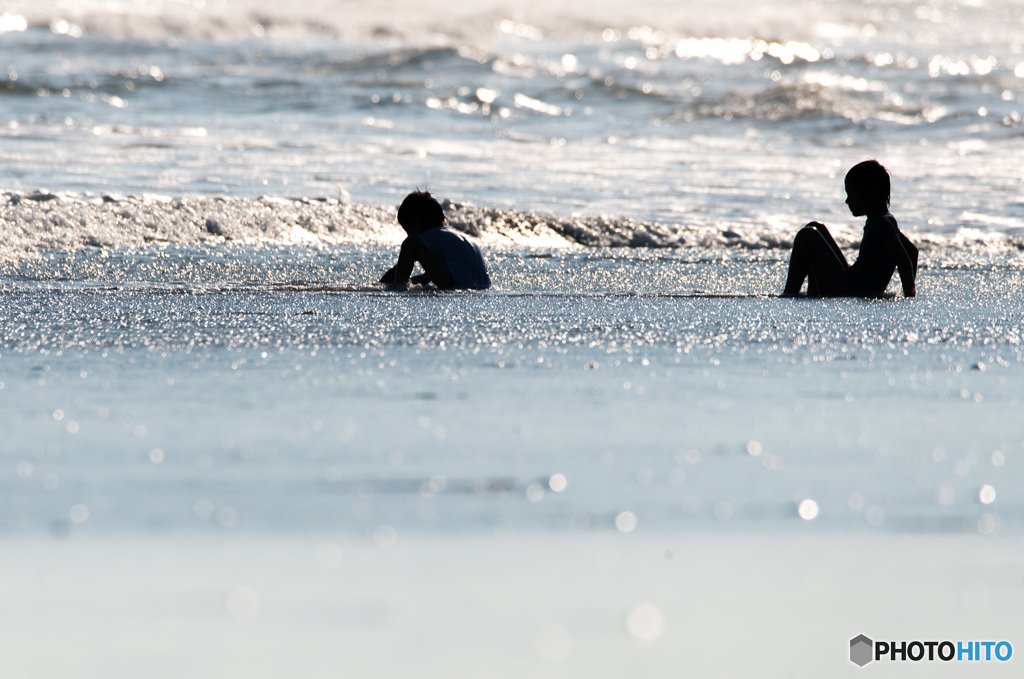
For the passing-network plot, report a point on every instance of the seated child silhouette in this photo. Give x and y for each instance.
(883, 249)
(449, 259)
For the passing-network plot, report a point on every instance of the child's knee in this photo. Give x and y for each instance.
(802, 236)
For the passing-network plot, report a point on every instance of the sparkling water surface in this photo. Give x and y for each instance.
(272, 389)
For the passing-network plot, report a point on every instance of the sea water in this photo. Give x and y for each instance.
(197, 366)
(180, 371)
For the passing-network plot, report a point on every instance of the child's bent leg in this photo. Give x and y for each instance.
(799, 264)
(827, 235)
(815, 259)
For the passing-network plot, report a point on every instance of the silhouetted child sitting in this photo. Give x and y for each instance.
(449, 259)
(883, 249)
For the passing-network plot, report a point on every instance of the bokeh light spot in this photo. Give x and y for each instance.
(328, 555)
(808, 510)
(227, 517)
(79, 513)
(626, 522)
(242, 603)
(384, 536)
(552, 642)
(645, 622)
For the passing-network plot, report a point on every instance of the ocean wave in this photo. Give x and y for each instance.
(797, 102)
(34, 222)
(463, 22)
(480, 21)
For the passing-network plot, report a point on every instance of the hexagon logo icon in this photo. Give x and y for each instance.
(861, 650)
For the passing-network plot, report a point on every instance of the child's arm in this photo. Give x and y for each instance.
(906, 263)
(911, 250)
(399, 274)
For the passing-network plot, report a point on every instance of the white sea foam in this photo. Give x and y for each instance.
(64, 221)
(31, 223)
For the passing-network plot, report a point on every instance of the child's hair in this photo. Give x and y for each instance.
(423, 207)
(871, 175)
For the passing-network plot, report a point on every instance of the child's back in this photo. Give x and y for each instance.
(877, 259)
(462, 256)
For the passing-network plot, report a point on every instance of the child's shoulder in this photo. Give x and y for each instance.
(434, 231)
(884, 221)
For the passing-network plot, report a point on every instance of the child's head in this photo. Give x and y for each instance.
(420, 212)
(867, 188)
